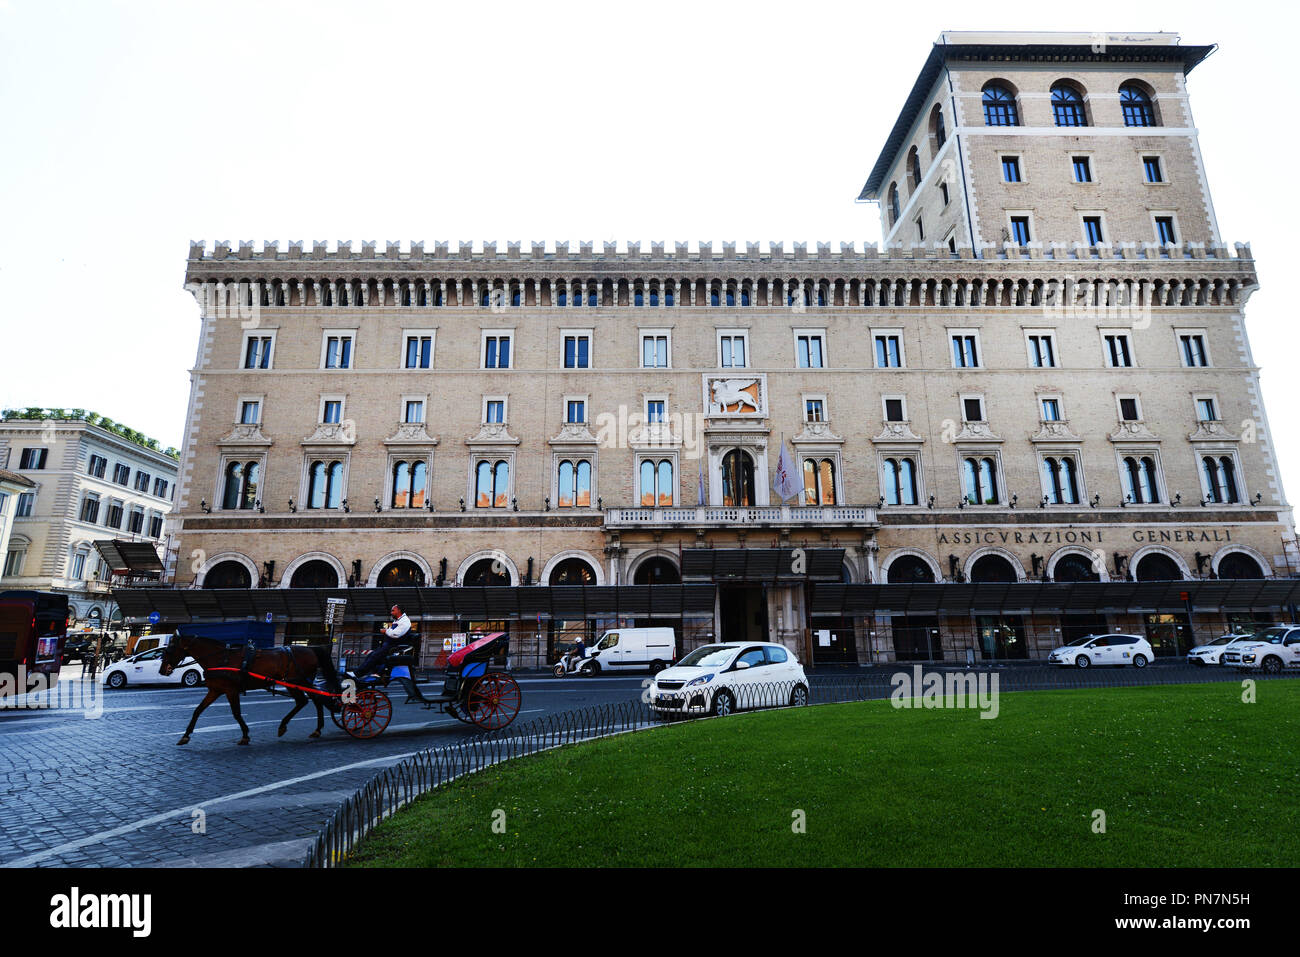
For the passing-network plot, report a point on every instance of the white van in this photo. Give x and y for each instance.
(632, 649)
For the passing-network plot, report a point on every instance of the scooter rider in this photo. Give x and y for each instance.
(392, 636)
(576, 654)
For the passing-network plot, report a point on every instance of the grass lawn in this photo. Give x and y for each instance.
(1187, 775)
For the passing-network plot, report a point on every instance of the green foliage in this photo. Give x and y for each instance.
(91, 418)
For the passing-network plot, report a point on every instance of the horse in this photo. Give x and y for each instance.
(294, 664)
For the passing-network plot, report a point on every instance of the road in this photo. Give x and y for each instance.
(116, 790)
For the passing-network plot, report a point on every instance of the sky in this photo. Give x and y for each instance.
(132, 127)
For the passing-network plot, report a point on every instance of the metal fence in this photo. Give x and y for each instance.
(397, 786)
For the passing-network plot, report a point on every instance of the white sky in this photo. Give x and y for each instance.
(130, 128)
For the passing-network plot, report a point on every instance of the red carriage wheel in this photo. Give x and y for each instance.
(368, 715)
(494, 701)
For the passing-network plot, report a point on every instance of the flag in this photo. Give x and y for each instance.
(700, 498)
(785, 483)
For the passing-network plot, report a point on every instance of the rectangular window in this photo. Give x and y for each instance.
(495, 410)
(1042, 351)
(809, 352)
(496, 352)
(135, 524)
(419, 352)
(1020, 230)
(1165, 230)
(575, 410)
(894, 411)
(114, 517)
(160, 487)
(250, 412)
(1051, 410)
(654, 410)
(814, 410)
(654, 352)
(943, 191)
(155, 526)
(1128, 409)
(1092, 230)
(90, 509)
(96, 466)
(141, 482)
(257, 352)
(889, 352)
(32, 459)
(1118, 354)
(79, 565)
(338, 352)
(332, 413)
(1151, 169)
(414, 411)
(577, 352)
(25, 503)
(920, 231)
(1193, 350)
(14, 562)
(1205, 410)
(972, 409)
(1011, 169)
(965, 352)
(1082, 169)
(731, 351)
(122, 474)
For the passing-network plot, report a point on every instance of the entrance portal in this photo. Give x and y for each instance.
(743, 612)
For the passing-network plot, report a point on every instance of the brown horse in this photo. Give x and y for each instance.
(223, 668)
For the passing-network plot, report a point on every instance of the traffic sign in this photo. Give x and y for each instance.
(154, 617)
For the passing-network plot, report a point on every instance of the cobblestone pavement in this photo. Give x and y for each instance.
(117, 791)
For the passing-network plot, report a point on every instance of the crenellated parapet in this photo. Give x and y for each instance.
(1057, 275)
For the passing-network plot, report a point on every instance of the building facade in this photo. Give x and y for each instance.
(87, 484)
(1043, 374)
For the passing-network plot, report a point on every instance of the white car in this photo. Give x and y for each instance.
(1209, 654)
(722, 678)
(1273, 649)
(143, 669)
(1112, 649)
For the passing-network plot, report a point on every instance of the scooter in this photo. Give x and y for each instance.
(572, 664)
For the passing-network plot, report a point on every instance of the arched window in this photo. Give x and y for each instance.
(1067, 105)
(228, 574)
(894, 210)
(1219, 479)
(992, 568)
(900, 481)
(656, 483)
(910, 570)
(1239, 565)
(410, 484)
(1060, 483)
(1137, 106)
(999, 106)
(1141, 486)
(325, 485)
(315, 574)
(913, 170)
(492, 484)
(487, 572)
(574, 485)
(979, 481)
(1155, 567)
(937, 128)
(401, 573)
(242, 480)
(737, 478)
(657, 571)
(818, 482)
(573, 571)
(1075, 568)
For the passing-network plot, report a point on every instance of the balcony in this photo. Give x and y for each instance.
(706, 516)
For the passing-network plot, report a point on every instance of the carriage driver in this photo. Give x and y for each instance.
(393, 634)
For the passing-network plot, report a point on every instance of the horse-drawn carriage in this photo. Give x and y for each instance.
(472, 690)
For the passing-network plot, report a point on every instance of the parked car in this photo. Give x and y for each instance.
(143, 669)
(77, 647)
(1110, 649)
(722, 678)
(1273, 649)
(1208, 654)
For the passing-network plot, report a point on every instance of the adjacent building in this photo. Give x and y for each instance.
(80, 483)
(1041, 376)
